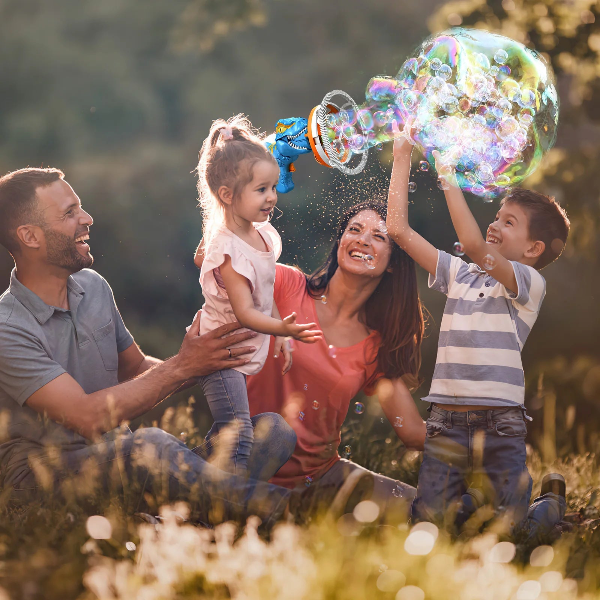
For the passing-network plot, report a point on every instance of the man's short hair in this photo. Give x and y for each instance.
(548, 222)
(18, 201)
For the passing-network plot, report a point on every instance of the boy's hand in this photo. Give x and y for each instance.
(445, 172)
(307, 333)
(403, 144)
(282, 345)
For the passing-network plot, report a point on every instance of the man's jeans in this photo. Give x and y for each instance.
(484, 449)
(149, 468)
(227, 399)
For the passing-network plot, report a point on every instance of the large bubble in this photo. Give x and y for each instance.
(486, 102)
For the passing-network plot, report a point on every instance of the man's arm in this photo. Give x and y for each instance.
(468, 232)
(64, 400)
(398, 228)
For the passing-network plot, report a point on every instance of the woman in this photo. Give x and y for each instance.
(371, 318)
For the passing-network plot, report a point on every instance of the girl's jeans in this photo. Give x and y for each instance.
(484, 449)
(227, 399)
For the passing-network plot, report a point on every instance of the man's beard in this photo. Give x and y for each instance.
(62, 252)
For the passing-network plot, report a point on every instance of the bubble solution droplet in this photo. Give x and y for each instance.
(315, 405)
(397, 492)
(359, 408)
(458, 249)
(412, 186)
(308, 480)
(306, 386)
(301, 415)
(332, 351)
(130, 546)
(489, 262)
(324, 299)
(423, 165)
(399, 422)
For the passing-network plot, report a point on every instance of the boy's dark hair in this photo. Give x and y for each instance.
(548, 222)
(18, 201)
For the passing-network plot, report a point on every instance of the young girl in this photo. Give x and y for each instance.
(236, 184)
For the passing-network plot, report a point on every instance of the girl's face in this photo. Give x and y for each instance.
(365, 235)
(258, 197)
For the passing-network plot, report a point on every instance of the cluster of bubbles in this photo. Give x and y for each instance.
(487, 103)
(359, 408)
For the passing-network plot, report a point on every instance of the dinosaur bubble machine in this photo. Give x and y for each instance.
(487, 103)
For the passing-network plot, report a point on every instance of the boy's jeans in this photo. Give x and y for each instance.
(484, 449)
(227, 399)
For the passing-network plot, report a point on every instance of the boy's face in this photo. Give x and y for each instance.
(509, 234)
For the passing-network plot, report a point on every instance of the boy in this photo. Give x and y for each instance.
(476, 429)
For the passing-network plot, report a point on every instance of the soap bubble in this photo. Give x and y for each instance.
(315, 405)
(423, 165)
(332, 351)
(130, 546)
(501, 56)
(347, 451)
(489, 262)
(99, 527)
(359, 408)
(412, 187)
(477, 97)
(308, 480)
(399, 422)
(301, 415)
(397, 492)
(458, 249)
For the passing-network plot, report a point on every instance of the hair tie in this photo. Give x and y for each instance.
(226, 133)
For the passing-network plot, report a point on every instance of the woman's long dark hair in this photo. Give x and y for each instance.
(394, 309)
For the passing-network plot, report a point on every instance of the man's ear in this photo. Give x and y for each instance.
(30, 236)
(536, 250)
(225, 195)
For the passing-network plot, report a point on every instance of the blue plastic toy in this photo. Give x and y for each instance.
(287, 143)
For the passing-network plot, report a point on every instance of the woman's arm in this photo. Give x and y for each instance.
(400, 409)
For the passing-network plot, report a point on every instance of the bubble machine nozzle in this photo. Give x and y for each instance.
(487, 103)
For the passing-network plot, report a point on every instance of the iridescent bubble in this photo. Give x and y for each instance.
(501, 56)
(332, 351)
(347, 451)
(359, 408)
(482, 61)
(435, 64)
(412, 187)
(308, 480)
(301, 415)
(380, 118)
(130, 546)
(494, 71)
(503, 180)
(315, 405)
(423, 166)
(507, 127)
(489, 262)
(349, 131)
(445, 72)
(397, 492)
(399, 422)
(458, 249)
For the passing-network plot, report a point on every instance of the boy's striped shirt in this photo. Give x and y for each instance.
(482, 333)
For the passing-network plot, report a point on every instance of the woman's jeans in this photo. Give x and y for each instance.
(227, 399)
(149, 468)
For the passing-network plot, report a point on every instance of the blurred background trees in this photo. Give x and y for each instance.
(120, 95)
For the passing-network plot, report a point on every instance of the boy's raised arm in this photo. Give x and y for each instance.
(468, 232)
(398, 228)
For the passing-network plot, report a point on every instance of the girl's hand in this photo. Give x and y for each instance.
(307, 333)
(403, 144)
(282, 345)
(445, 172)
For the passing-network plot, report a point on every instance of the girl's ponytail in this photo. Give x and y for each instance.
(227, 158)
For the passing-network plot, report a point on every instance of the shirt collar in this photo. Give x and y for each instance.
(475, 268)
(34, 304)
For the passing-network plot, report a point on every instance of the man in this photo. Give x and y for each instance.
(70, 372)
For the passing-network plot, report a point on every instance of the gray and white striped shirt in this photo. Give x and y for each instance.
(482, 333)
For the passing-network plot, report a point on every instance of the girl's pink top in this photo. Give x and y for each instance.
(315, 394)
(257, 267)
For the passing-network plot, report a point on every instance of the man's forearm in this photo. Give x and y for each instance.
(135, 397)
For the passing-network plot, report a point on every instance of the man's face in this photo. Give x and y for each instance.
(66, 227)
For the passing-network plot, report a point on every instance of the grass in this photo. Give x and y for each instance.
(47, 552)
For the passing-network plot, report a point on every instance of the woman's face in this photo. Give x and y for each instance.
(365, 235)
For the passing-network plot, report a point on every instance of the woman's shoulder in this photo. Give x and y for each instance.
(289, 280)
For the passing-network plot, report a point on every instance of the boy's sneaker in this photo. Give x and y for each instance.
(554, 483)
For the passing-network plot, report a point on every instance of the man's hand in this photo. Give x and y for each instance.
(201, 355)
(282, 345)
